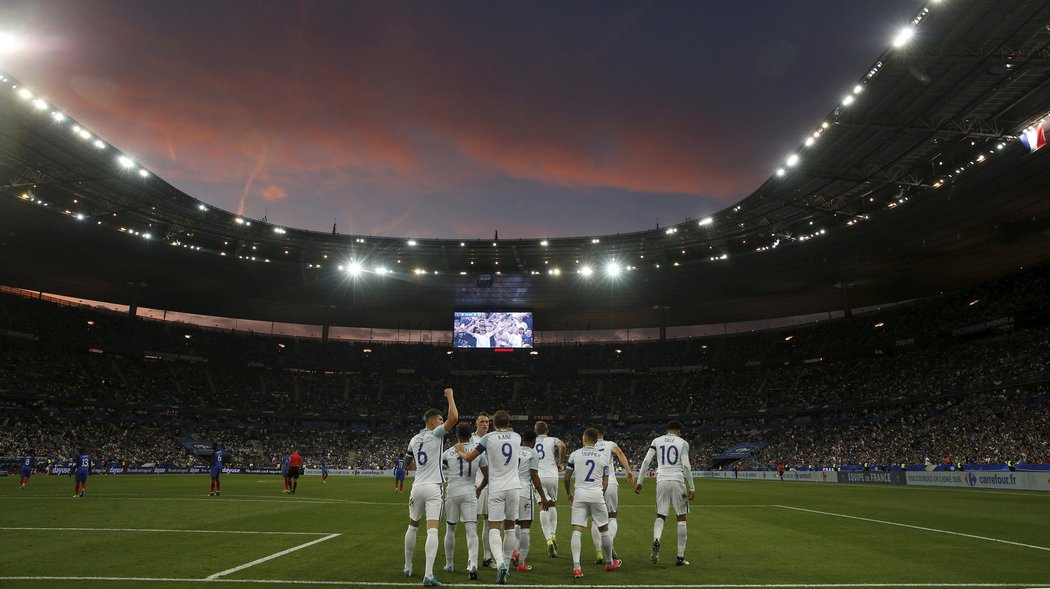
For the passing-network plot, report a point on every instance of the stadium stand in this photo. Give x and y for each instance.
(962, 379)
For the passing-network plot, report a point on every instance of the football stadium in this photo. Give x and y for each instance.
(836, 377)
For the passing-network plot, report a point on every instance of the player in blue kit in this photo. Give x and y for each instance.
(399, 475)
(284, 471)
(324, 472)
(27, 471)
(216, 469)
(83, 467)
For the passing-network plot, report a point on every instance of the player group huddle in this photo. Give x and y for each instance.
(494, 476)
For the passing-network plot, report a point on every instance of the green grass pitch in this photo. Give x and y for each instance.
(741, 533)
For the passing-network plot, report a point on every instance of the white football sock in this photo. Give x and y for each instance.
(545, 524)
(552, 520)
(472, 546)
(524, 540)
(496, 544)
(596, 536)
(658, 528)
(450, 544)
(613, 526)
(431, 548)
(510, 543)
(575, 543)
(683, 535)
(485, 539)
(410, 545)
(607, 546)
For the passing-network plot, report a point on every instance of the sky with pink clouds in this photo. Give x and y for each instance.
(453, 119)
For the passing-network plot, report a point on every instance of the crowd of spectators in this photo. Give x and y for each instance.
(914, 383)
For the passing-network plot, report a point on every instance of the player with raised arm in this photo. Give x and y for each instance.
(609, 450)
(503, 447)
(424, 452)
(529, 476)
(592, 479)
(674, 485)
(82, 469)
(551, 453)
(27, 470)
(217, 456)
(481, 427)
(461, 502)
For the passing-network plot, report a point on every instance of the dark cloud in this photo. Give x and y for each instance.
(456, 118)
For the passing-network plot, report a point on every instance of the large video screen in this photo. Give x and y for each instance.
(492, 329)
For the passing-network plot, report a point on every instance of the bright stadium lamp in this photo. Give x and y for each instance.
(903, 37)
(125, 161)
(586, 271)
(792, 159)
(612, 269)
(10, 43)
(354, 268)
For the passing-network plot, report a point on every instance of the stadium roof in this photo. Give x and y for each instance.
(914, 184)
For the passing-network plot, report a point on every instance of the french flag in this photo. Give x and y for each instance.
(1034, 138)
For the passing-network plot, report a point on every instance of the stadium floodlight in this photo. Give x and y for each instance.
(202, 207)
(792, 159)
(848, 100)
(781, 171)
(810, 141)
(858, 89)
(279, 230)
(706, 221)
(586, 271)
(612, 269)
(238, 220)
(59, 117)
(595, 240)
(25, 93)
(412, 242)
(903, 37)
(381, 270)
(99, 144)
(80, 216)
(143, 173)
(462, 244)
(9, 43)
(354, 268)
(125, 161)
(544, 243)
(40, 104)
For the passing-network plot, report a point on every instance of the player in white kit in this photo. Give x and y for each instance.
(424, 452)
(674, 485)
(591, 471)
(461, 503)
(503, 447)
(529, 476)
(612, 452)
(481, 427)
(551, 453)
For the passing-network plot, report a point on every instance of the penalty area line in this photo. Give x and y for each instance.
(271, 557)
(925, 529)
(532, 586)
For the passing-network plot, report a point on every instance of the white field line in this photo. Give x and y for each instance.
(271, 557)
(533, 586)
(925, 529)
(160, 530)
(288, 501)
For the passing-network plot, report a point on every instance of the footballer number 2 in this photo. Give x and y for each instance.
(590, 471)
